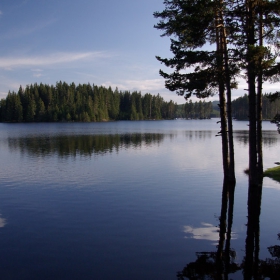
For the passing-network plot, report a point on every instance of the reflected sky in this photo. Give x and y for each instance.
(206, 232)
(49, 149)
(121, 195)
(87, 145)
(2, 222)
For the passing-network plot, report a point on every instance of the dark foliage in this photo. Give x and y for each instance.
(269, 109)
(82, 103)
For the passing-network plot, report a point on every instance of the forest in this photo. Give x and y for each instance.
(269, 108)
(204, 110)
(91, 103)
(82, 103)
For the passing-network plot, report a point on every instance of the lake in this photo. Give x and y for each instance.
(123, 200)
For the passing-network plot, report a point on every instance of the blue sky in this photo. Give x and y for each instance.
(111, 43)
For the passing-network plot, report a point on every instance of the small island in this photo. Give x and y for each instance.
(273, 173)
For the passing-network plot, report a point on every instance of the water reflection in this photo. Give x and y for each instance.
(199, 134)
(271, 266)
(251, 259)
(83, 145)
(253, 266)
(270, 138)
(221, 263)
(206, 232)
(87, 145)
(2, 222)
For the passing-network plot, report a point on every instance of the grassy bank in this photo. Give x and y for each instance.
(273, 173)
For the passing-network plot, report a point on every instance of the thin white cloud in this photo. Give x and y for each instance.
(37, 70)
(26, 30)
(147, 85)
(37, 27)
(47, 60)
(7, 83)
(1, 13)
(37, 73)
(152, 86)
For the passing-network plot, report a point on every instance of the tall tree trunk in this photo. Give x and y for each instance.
(222, 99)
(259, 97)
(251, 74)
(228, 93)
(224, 83)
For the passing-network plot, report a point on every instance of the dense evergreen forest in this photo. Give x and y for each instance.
(85, 103)
(269, 109)
(195, 110)
(90, 103)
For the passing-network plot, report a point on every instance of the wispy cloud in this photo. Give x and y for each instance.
(147, 85)
(1, 13)
(37, 73)
(152, 86)
(26, 30)
(48, 60)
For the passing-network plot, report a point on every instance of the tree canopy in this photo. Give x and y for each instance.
(84, 102)
(214, 43)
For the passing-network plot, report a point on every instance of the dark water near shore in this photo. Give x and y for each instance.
(122, 200)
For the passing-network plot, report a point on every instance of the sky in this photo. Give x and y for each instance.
(106, 43)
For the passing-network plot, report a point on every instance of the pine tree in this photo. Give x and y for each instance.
(257, 48)
(193, 24)
(246, 35)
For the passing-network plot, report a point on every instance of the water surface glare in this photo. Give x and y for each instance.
(122, 200)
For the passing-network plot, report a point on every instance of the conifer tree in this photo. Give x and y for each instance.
(256, 42)
(246, 34)
(198, 71)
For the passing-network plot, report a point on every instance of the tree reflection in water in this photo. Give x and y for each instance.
(82, 145)
(218, 264)
(221, 264)
(271, 266)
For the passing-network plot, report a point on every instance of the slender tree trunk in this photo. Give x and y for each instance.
(259, 98)
(228, 92)
(223, 113)
(251, 74)
(225, 103)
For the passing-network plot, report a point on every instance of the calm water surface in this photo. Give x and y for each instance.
(122, 200)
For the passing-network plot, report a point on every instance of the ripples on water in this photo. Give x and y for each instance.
(120, 200)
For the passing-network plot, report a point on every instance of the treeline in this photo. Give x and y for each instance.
(195, 110)
(85, 103)
(198, 110)
(90, 103)
(240, 108)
